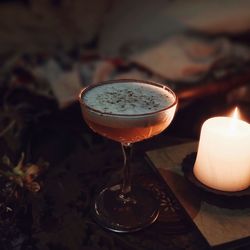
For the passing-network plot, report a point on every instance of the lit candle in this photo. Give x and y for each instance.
(223, 157)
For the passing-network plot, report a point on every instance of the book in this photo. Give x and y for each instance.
(222, 227)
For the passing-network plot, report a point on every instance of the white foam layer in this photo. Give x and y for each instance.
(128, 98)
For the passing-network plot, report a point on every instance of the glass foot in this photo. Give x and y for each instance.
(123, 214)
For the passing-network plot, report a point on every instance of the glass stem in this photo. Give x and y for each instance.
(126, 182)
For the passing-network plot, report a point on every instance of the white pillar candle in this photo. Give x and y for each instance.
(223, 157)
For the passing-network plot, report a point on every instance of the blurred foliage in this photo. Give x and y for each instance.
(23, 174)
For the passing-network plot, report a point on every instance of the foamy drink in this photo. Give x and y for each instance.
(128, 111)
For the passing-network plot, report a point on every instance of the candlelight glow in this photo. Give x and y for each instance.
(235, 113)
(235, 117)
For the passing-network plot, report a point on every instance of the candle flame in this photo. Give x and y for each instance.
(235, 117)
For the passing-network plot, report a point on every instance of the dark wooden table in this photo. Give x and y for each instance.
(58, 217)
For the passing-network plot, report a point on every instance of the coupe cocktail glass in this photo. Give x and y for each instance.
(127, 111)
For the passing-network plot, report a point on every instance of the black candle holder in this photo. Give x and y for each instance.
(232, 200)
